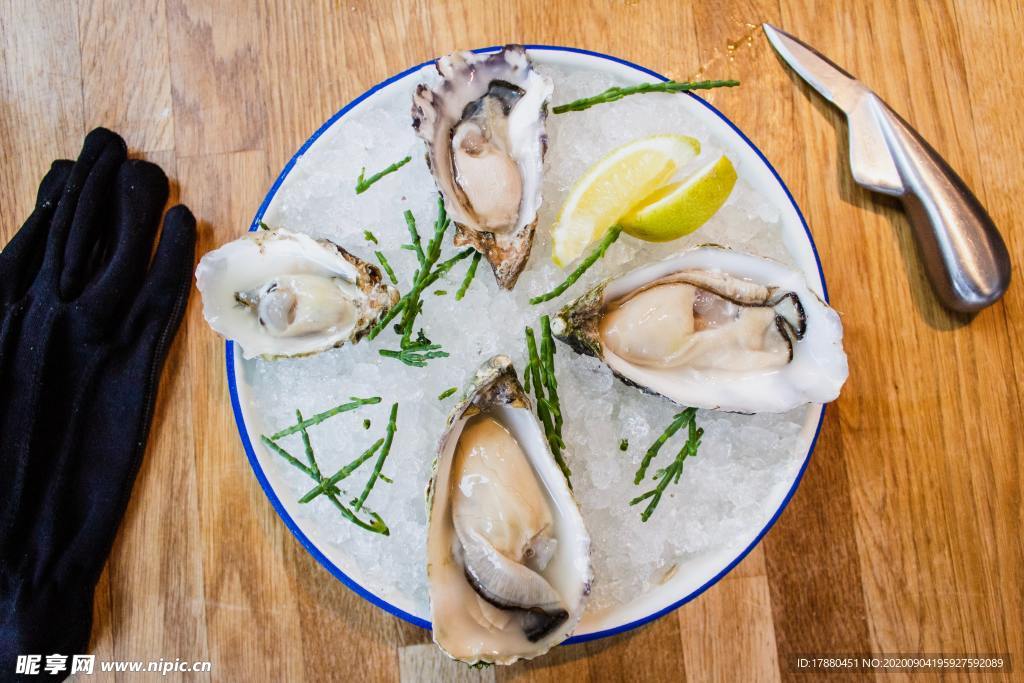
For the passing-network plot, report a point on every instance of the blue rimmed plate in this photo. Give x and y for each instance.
(700, 572)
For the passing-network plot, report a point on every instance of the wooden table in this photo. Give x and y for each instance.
(903, 537)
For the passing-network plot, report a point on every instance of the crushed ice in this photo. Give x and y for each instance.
(723, 493)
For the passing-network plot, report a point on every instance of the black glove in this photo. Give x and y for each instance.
(85, 324)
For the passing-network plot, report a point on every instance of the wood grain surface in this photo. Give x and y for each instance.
(905, 535)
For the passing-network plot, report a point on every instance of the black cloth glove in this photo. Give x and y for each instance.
(86, 320)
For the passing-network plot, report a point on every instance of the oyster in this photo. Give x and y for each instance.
(278, 293)
(483, 124)
(508, 557)
(713, 328)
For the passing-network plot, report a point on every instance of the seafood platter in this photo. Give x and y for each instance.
(527, 345)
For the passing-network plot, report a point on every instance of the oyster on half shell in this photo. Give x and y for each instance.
(713, 328)
(483, 124)
(278, 293)
(508, 557)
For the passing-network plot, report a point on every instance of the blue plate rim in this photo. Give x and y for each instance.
(315, 551)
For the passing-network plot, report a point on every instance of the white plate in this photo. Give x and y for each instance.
(703, 571)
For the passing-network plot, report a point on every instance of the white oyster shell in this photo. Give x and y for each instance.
(814, 373)
(516, 145)
(534, 496)
(338, 296)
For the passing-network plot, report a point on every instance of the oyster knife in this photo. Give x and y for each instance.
(964, 255)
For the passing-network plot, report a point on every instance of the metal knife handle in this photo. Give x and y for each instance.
(963, 253)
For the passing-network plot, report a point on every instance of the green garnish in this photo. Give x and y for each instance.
(427, 260)
(370, 237)
(320, 417)
(384, 451)
(446, 393)
(264, 226)
(285, 454)
(469, 277)
(677, 422)
(409, 304)
(609, 237)
(386, 479)
(541, 374)
(667, 475)
(363, 184)
(327, 486)
(417, 352)
(440, 271)
(445, 266)
(387, 267)
(416, 245)
(547, 364)
(623, 444)
(615, 93)
(366, 423)
(377, 524)
(307, 446)
(440, 292)
(416, 355)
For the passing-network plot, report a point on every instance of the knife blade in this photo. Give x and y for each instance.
(964, 255)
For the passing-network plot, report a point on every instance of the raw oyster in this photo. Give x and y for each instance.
(713, 328)
(278, 293)
(508, 557)
(483, 124)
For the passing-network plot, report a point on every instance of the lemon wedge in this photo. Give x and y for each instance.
(680, 208)
(613, 186)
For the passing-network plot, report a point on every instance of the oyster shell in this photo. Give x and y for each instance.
(483, 124)
(278, 293)
(713, 328)
(508, 556)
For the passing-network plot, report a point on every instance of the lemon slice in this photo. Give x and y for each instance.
(613, 186)
(680, 208)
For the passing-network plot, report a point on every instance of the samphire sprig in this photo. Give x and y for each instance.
(389, 435)
(416, 352)
(427, 259)
(540, 374)
(328, 485)
(353, 403)
(470, 272)
(670, 474)
(592, 258)
(363, 184)
(409, 305)
(383, 260)
(615, 93)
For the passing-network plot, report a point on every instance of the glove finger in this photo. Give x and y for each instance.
(96, 143)
(21, 258)
(141, 191)
(165, 291)
(72, 240)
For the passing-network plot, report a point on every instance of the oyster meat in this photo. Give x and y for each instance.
(713, 328)
(278, 293)
(508, 557)
(483, 124)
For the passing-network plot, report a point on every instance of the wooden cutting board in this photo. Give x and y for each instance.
(903, 537)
